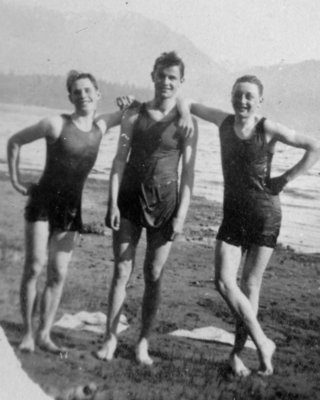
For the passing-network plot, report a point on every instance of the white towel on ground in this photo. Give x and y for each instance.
(211, 334)
(89, 321)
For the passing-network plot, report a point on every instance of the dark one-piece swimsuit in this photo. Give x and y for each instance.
(148, 195)
(251, 213)
(57, 196)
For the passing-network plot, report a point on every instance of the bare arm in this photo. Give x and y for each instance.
(290, 137)
(118, 166)
(278, 132)
(187, 179)
(199, 110)
(110, 120)
(208, 113)
(49, 128)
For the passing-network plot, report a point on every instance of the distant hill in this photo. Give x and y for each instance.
(118, 48)
(38, 47)
(50, 91)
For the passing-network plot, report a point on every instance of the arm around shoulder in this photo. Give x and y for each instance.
(109, 120)
(187, 178)
(208, 114)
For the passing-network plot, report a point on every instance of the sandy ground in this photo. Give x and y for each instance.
(184, 369)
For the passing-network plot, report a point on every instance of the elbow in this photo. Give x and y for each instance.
(10, 143)
(188, 178)
(13, 142)
(312, 149)
(11, 147)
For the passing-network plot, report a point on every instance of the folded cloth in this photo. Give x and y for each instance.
(211, 334)
(89, 321)
(15, 383)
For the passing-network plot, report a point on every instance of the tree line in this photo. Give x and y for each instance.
(50, 91)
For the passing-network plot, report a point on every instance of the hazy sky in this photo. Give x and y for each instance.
(241, 32)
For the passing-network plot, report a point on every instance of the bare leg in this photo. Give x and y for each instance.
(124, 246)
(61, 245)
(257, 259)
(36, 241)
(227, 258)
(156, 255)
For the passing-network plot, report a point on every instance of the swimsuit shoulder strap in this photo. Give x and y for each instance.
(260, 129)
(260, 125)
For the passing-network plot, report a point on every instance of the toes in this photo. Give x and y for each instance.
(27, 346)
(266, 372)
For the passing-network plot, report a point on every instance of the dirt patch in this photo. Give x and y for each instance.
(184, 369)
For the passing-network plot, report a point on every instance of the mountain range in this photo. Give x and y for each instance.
(121, 49)
(117, 48)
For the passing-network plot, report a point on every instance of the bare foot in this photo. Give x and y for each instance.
(142, 354)
(27, 343)
(266, 353)
(46, 344)
(238, 366)
(106, 352)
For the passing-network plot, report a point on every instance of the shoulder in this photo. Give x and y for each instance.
(131, 114)
(102, 123)
(275, 128)
(52, 126)
(268, 125)
(275, 131)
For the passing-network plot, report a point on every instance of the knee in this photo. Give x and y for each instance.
(223, 286)
(250, 285)
(57, 274)
(153, 273)
(123, 271)
(33, 267)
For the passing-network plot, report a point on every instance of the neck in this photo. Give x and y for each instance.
(83, 121)
(84, 114)
(244, 121)
(163, 105)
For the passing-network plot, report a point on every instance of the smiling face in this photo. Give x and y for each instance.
(84, 96)
(246, 99)
(167, 81)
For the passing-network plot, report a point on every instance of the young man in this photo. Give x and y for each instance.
(146, 192)
(251, 207)
(53, 211)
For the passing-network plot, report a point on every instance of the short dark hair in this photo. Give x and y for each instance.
(250, 79)
(75, 75)
(169, 59)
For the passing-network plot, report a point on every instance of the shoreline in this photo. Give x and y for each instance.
(33, 173)
(301, 213)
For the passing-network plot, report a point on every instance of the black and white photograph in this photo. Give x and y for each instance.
(160, 200)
